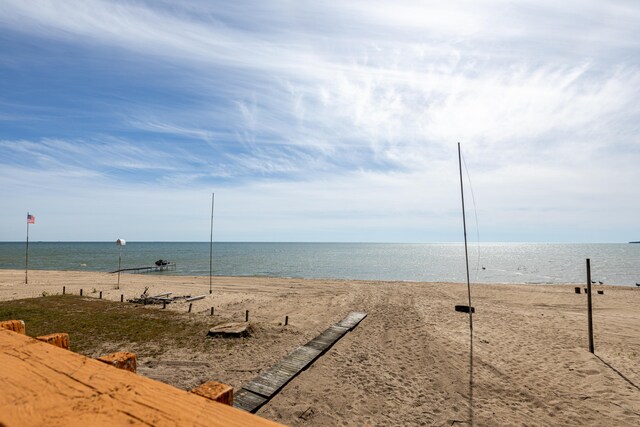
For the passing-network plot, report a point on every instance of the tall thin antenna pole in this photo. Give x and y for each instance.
(119, 264)
(466, 252)
(213, 195)
(26, 257)
(466, 257)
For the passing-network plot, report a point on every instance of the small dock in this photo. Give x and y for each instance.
(149, 269)
(261, 389)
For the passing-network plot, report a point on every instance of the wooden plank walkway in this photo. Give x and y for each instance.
(261, 389)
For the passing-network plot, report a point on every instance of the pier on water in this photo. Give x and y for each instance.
(170, 266)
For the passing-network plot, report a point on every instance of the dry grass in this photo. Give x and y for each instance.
(97, 326)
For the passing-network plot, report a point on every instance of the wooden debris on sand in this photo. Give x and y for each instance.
(233, 330)
(162, 299)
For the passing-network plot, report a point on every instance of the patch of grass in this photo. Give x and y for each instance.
(96, 326)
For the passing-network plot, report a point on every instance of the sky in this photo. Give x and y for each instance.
(320, 121)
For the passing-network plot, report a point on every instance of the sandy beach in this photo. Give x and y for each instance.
(408, 362)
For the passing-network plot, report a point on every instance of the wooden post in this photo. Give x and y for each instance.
(121, 360)
(121, 297)
(246, 316)
(64, 289)
(216, 391)
(59, 340)
(14, 325)
(190, 305)
(164, 305)
(286, 320)
(589, 307)
(212, 311)
(100, 294)
(80, 292)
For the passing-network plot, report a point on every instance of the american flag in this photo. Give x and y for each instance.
(31, 219)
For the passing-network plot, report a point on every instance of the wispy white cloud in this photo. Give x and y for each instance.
(323, 107)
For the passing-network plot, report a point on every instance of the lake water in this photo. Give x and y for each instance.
(542, 263)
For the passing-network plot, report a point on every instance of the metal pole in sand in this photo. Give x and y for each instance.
(466, 252)
(466, 258)
(211, 243)
(120, 243)
(119, 263)
(589, 307)
(26, 260)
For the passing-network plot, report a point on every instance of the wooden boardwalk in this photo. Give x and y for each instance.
(261, 389)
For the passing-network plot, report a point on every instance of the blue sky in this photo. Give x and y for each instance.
(319, 121)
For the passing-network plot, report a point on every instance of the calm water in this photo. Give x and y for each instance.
(503, 262)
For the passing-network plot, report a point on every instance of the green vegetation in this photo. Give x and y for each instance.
(98, 326)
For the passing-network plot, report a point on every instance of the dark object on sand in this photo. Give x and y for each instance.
(577, 289)
(464, 309)
(600, 292)
(233, 330)
(164, 298)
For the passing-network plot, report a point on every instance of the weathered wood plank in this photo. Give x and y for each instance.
(273, 379)
(327, 338)
(46, 385)
(261, 389)
(352, 319)
(248, 401)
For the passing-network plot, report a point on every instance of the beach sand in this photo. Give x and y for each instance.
(408, 362)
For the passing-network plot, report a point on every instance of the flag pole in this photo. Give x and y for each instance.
(26, 262)
(213, 195)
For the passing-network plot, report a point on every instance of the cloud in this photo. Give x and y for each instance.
(341, 115)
